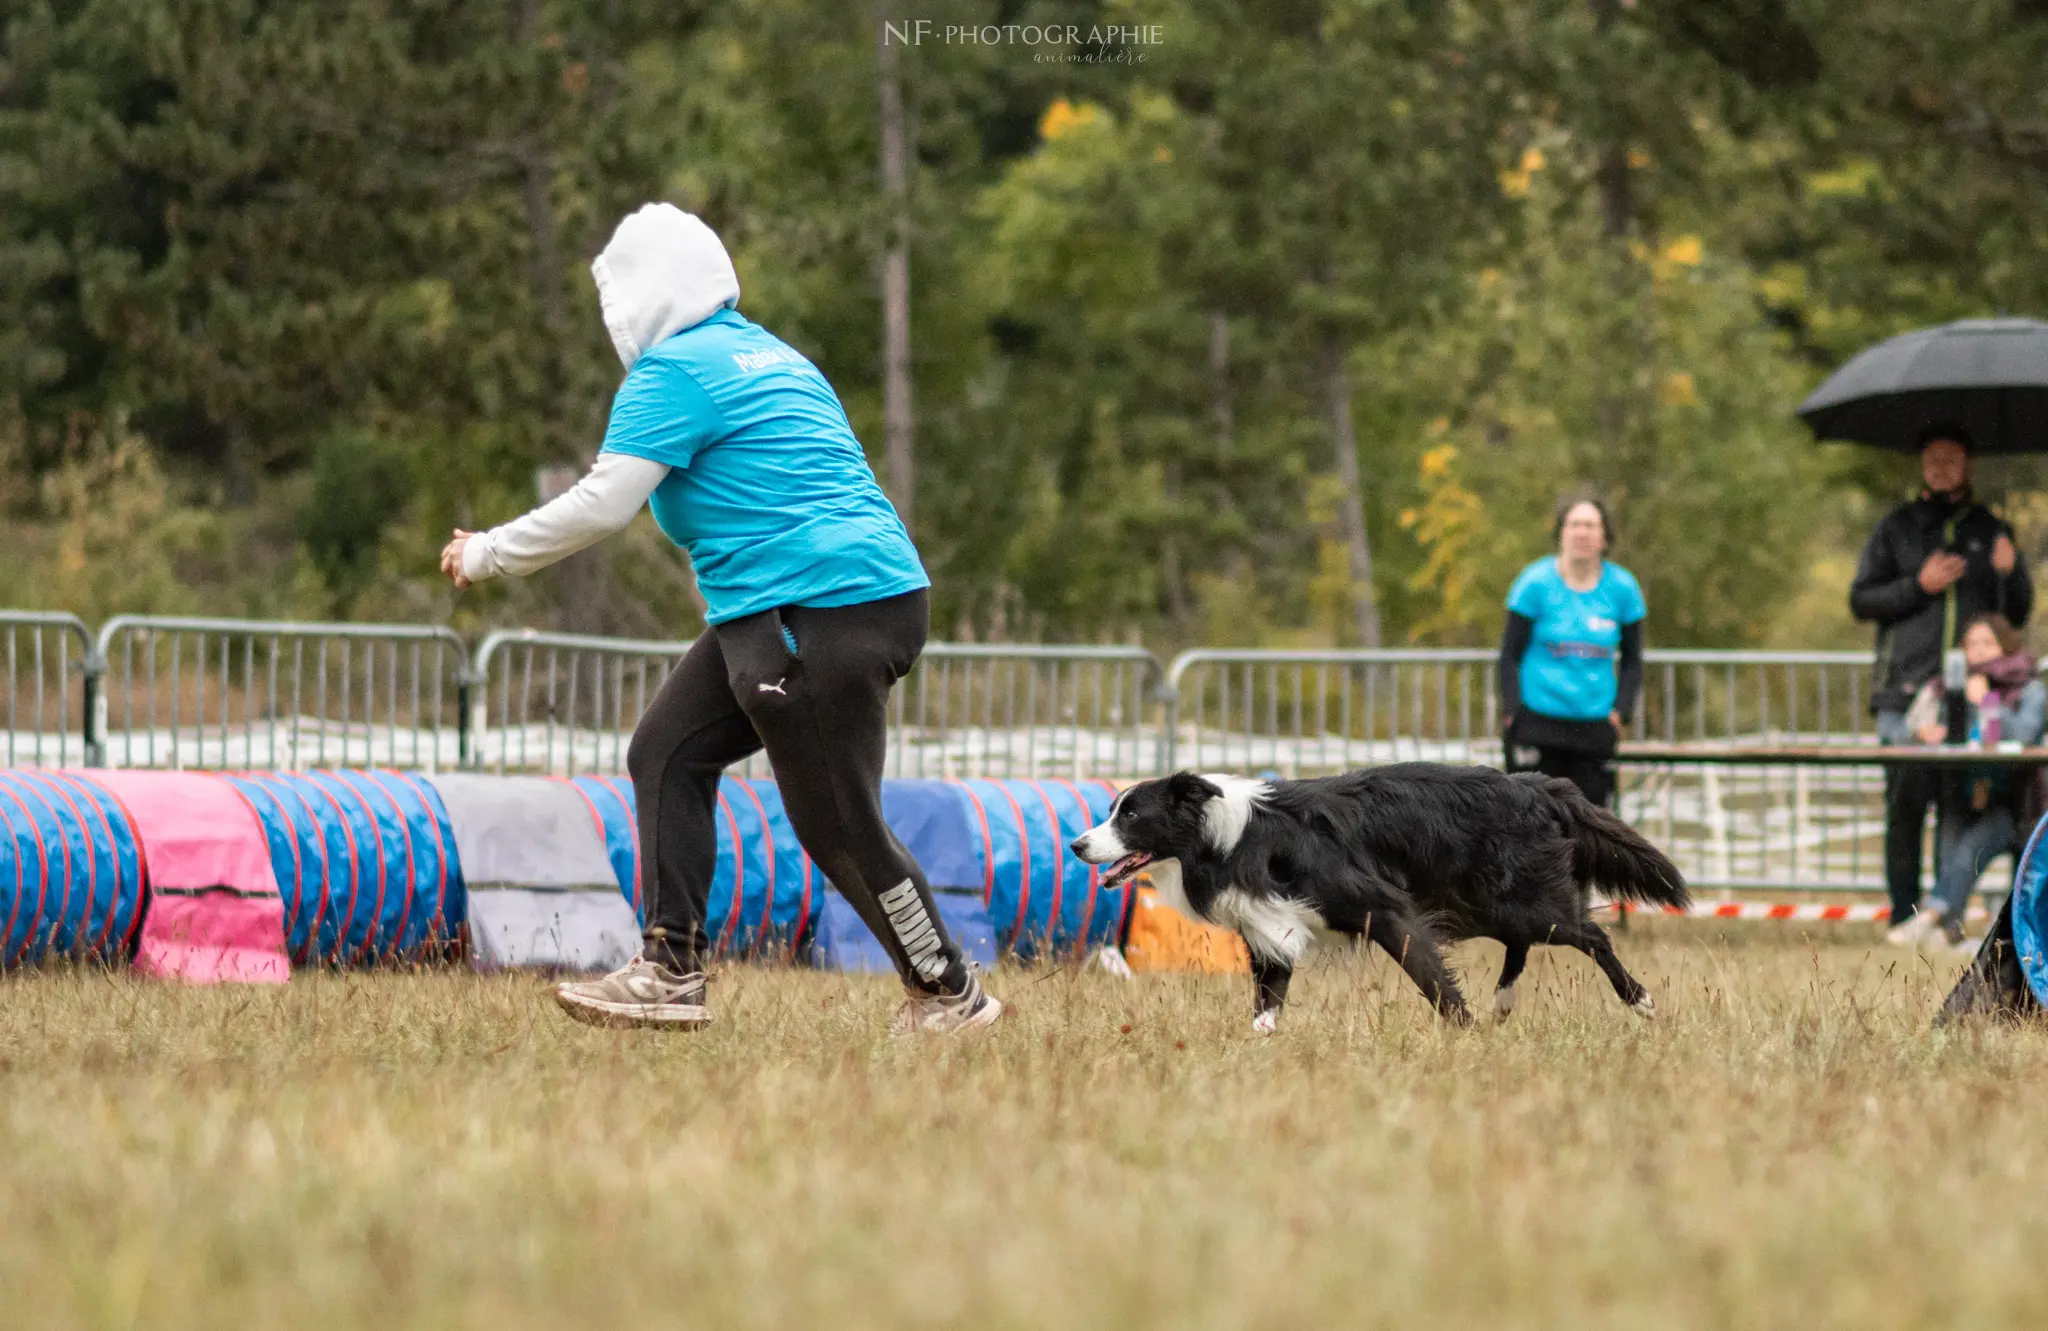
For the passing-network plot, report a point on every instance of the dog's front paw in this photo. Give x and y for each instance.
(1266, 1022)
(1645, 1007)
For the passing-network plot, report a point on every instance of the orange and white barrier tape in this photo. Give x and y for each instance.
(1783, 910)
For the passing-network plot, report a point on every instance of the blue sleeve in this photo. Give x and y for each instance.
(1629, 607)
(663, 414)
(1526, 597)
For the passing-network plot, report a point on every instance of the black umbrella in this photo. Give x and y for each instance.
(1989, 376)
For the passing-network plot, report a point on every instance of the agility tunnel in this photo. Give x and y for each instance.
(71, 871)
(1001, 843)
(211, 905)
(766, 894)
(541, 890)
(241, 875)
(365, 863)
(1008, 841)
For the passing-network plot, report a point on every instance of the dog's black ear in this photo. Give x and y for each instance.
(1188, 788)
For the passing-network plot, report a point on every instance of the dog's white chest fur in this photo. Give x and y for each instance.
(1165, 876)
(1276, 928)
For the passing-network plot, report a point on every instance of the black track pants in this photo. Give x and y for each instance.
(1592, 775)
(1907, 793)
(812, 687)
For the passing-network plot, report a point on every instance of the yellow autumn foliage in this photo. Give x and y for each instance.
(1063, 117)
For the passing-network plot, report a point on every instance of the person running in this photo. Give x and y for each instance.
(817, 603)
(1571, 655)
(1929, 568)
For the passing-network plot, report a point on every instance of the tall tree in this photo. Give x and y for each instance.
(899, 418)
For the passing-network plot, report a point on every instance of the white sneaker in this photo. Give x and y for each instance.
(1922, 923)
(640, 993)
(946, 1014)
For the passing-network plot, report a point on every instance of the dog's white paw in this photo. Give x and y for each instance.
(1646, 1007)
(1504, 1002)
(1266, 1022)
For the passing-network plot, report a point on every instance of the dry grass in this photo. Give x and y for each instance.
(1787, 1146)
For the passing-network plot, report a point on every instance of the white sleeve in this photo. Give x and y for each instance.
(603, 502)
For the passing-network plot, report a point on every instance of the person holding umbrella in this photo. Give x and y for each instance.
(1975, 385)
(1931, 567)
(1987, 379)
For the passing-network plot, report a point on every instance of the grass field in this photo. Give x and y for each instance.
(1787, 1145)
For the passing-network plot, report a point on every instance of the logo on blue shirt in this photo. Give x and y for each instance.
(751, 361)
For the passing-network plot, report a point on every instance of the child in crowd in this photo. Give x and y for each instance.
(1981, 808)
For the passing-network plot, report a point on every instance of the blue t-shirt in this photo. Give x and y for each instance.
(1569, 669)
(767, 487)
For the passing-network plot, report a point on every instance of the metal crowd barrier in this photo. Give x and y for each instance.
(1310, 713)
(1301, 713)
(1013, 710)
(235, 693)
(184, 692)
(1316, 712)
(50, 689)
(558, 702)
(1817, 829)
(562, 702)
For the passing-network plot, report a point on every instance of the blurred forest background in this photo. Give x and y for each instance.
(1290, 332)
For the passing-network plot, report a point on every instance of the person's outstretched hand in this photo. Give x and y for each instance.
(2003, 557)
(451, 558)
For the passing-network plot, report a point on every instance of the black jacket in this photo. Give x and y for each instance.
(1913, 628)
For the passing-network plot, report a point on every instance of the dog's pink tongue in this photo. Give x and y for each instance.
(1127, 866)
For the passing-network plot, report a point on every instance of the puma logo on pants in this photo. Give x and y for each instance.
(914, 929)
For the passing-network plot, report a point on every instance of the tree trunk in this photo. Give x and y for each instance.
(1221, 415)
(1614, 410)
(1170, 570)
(544, 244)
(1617, 197)
(1221, 427)
(899, 418)
(584, 580)
(1351, 505)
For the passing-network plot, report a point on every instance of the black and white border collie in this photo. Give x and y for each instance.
(1408, 855)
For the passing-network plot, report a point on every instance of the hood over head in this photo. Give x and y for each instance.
(663, 271)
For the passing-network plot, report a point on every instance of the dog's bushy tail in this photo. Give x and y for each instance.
(1608, 852)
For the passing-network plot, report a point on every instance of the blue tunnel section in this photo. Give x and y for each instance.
(365, 862)
(71, 869)
(765, 892)
(1003, 842)
(1042, 901)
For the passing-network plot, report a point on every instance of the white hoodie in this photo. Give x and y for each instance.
(663, 271)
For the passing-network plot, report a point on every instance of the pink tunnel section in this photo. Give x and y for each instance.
(214, 912)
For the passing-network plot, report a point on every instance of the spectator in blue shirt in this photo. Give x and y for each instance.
(1571, 657)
